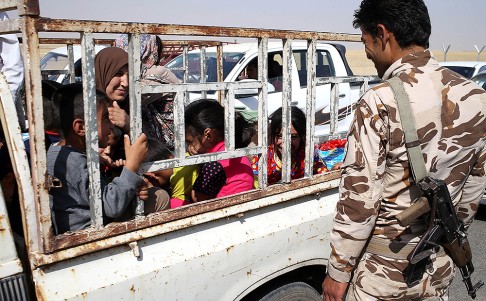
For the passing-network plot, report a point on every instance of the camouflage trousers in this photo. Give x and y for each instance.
(381, 278)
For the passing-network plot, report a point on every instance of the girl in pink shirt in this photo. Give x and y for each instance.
(204, 120)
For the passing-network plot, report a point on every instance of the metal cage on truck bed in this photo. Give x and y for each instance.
(43, 247)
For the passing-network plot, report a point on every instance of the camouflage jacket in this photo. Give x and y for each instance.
(376, 185)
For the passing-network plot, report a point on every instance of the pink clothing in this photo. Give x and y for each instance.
(224, 177)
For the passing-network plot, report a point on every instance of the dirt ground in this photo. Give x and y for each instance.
(362, 66)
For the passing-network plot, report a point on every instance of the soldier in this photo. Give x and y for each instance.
(369, 247)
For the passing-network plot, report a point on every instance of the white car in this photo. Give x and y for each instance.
(480, 79)
(468, 69)
(55, 64)
(236, 57)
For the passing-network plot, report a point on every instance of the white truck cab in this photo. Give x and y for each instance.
(237, 57)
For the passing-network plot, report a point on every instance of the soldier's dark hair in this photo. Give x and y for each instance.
(69, 99)
(297, 119)
(207, 113)
(408, 20)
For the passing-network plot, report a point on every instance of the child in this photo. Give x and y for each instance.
(154, 193)
(204, 120)
(67, 162)
(297, 148)
(181, 183)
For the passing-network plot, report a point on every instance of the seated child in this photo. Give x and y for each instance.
(67, 162)
(181, 183)
(154, 193)
(297, 148)
(204, 120)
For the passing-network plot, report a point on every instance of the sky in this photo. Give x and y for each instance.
(455, 23)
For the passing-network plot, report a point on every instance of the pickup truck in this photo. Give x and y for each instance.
(330, 62)
(263, 244)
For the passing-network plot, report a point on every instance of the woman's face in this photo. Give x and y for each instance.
(294, 144)
(117, 89)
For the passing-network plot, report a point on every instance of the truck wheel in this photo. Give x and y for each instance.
(297, 291)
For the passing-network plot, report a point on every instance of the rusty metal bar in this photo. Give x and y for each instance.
(229, 119)
(8, 5)
(18, 154)
(198, 87)
(333, 107)
(74, 41)
(70, 51)
(345, 79)
(263, 111)
(310, 106)
(91, 124)
(198, 159)
(202, 59)
(179, 126)
(219, 67)
(55, 25)
(286, 113)
(39, 229)
(185, 63)
(28, 8)
(135, 98)
(10, 26)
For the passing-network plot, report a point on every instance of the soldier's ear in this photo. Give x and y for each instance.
(383, 35)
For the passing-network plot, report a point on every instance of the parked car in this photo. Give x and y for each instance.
(480, 79)
(55, 64)
(467, 69)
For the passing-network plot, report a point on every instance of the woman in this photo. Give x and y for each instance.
(157, 110)
(111, 71)
(297, 148)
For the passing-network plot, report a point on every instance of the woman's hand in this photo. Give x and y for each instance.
(119, 117)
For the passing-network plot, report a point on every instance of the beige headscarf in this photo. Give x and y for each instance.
(107, 64)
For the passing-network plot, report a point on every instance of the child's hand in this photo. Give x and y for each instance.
(135, 153)
(143, 190)
(119, 117)
(104, 154)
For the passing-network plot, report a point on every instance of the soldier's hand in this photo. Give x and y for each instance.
(333, 290)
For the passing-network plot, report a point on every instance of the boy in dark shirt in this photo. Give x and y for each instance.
(67, 162)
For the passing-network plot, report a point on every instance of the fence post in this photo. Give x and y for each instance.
(479, 52)
(445, 51)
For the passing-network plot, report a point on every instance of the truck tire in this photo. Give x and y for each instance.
(296, 291)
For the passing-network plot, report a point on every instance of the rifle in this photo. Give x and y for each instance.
(444, 229)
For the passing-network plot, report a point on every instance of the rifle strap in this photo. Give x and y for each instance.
(412, 143)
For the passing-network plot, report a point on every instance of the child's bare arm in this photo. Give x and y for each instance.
(135, 153)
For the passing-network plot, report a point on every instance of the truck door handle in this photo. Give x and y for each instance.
(294, 103)
(342, 95)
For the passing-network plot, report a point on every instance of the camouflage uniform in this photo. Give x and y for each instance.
(376, 182)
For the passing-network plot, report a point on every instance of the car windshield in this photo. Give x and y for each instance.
(194, 66)
(480, 79)
(467, 72)
(52, 63)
